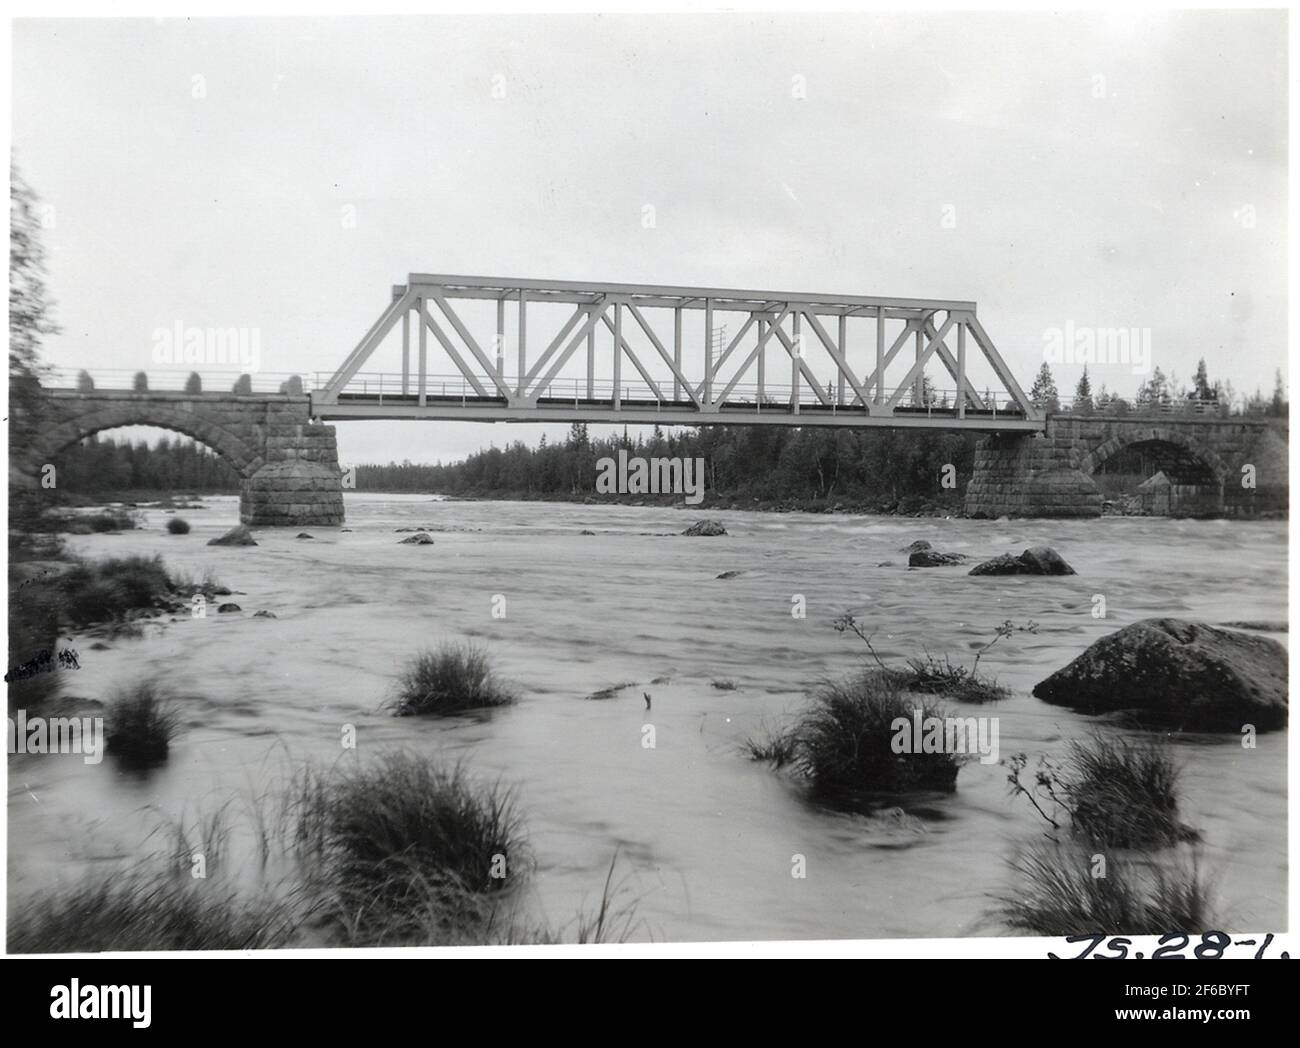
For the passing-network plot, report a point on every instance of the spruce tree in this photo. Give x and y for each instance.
(1043, 392)
(1083, 393)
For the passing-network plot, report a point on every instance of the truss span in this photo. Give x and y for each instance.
(544, 350)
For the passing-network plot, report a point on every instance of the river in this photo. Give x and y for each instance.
(705, 837)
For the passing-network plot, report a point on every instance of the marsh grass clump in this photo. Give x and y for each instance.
(450, 679)
(844, 746)
(845, 743)
(1057, 891)
(103, 521)
(108, 520)
(1124, 793)
(405, 850)
(137, 911)
(178, 526)
(186, 584)
(105, 590)
(140, 724)
(1114, 792)
(144, 579)
(931, 675)
(92, 599)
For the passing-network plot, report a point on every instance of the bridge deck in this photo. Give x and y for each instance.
(468, 408)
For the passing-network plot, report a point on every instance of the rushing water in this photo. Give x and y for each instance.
(705, 837)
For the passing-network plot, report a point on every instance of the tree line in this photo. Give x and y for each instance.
(1163, 392)
(769, 463)
(97, 466)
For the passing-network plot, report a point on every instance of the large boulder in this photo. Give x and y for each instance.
(1178, 673)
(1037, 560)
(916, 547)
(239, 535)
(705, 527)
(418, 539)
(932, 558)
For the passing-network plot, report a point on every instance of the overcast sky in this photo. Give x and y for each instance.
(1103, 170)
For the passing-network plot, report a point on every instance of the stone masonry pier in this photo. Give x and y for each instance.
(289, 464)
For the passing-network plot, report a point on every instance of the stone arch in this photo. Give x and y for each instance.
(245, 459)
(1092, 461)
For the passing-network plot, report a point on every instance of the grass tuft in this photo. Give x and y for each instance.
(140, 725)
(844, 745)
(178, 526)
(1124, 794)
(1114, 792)
(106, 590)
(930, 675)
(406, 851)
(1057, 892)
(108, 520)
(451, 679)
(136, 912)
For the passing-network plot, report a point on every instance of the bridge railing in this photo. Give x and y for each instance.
(1181, 408)
(386, 385)
(167, 381)
(389, 385)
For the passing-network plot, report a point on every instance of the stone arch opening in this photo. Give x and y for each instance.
(142, 459)
(244, 459)
(1157, 472)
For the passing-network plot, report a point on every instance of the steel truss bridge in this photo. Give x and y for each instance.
(546, 350)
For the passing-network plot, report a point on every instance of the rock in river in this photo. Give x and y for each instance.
(418, 539)
(705, 527)
(1037, 560)
(932, 558)
(239, 535)
(1178, 673)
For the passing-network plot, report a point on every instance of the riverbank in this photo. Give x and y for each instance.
(907, 506)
